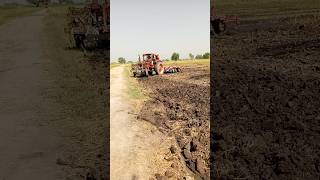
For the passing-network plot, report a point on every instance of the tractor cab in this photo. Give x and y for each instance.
(147, 57)
(151, 58)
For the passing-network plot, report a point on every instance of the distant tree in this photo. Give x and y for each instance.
(191, 56)
(129, 62)
(206, 56)
(175, 56)
(199, 56)
(121, 60)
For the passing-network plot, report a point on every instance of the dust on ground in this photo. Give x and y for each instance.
(265, 99)
(179, 107)
(28, 145)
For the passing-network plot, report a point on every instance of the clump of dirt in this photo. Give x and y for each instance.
(266, 99)
(179, 106)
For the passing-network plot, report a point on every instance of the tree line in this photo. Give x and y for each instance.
(174, 57)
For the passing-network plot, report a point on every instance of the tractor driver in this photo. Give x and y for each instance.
(148, 57)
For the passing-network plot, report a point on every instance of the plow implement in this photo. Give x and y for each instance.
(172, 69)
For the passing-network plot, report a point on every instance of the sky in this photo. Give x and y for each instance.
(159, 26)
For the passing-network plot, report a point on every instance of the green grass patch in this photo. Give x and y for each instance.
(134, 91)
(10, 12)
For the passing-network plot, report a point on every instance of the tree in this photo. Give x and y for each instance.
(206, 56)
(191, 56)
(129, 62)
(199, 56)
(175, 56)
(121, 60)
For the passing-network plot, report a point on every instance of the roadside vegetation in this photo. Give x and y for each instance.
(135, 94)
(82, 108)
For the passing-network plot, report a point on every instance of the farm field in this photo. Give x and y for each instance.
(265, 92)
(178, 105)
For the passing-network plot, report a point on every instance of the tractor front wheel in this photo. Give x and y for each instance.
(159, 68)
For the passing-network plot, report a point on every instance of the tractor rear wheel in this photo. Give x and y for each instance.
(159, 68)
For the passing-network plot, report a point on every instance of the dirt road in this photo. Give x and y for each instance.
(137, 149)
(28, 147)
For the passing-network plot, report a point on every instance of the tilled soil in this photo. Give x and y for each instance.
(179, 106)
(266, 99)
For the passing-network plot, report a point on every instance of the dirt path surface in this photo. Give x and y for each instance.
(28, 148)
(137, 149)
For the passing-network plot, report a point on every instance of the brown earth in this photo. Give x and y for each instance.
(266, 99)
(179, 107)
(29, 146)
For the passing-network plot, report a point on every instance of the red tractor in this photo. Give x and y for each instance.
(88, 26)
(149, 64)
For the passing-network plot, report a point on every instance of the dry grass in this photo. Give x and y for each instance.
(82, 110)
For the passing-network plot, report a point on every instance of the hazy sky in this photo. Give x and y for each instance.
(159, 26)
